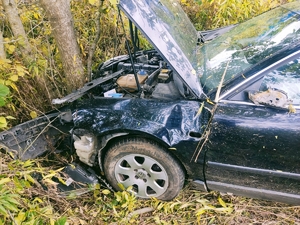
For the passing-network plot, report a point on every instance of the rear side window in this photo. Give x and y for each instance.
(286, 79)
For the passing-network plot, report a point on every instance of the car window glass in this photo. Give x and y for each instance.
(285, 79)
(247, 44)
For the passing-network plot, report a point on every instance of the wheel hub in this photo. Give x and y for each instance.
(145, 174)
(141, 174)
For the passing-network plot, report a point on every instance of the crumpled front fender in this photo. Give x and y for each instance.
(170, 122)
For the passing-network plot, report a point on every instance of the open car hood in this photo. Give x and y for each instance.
(171, 33)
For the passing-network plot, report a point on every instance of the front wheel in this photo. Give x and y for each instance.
(146, 166)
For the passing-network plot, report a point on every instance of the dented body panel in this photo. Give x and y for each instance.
(175, 124)
(171, 122)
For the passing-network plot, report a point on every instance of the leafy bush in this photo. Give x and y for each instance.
(210, 14)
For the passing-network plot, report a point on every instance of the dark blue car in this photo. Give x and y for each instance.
(220, 108)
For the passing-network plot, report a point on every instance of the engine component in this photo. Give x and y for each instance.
(128, 82)
(164, 74)
(167, 91)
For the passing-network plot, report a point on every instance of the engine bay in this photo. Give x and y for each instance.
(117, 78)
(155, 78)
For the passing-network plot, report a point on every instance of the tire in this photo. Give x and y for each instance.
(146, 166)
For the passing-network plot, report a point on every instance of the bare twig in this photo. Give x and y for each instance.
(2, 52)
(221, 83)
(94, 44)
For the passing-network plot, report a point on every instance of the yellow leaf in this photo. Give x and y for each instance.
(106, 192)
(36, 16)
(12, 107)
(114, 3)
(185, 205)
(59, 170)
(49, 181)
(36, 199)
(33, 114)
(92, 2)
(28, 163)
(20, 218)
(20, 70)
(5, 61)
(45, 50)
(5, 180)
(10, 117)
(62, 181)
(13, 86)
(200, 212)
(11, 49)
(14, 78)
(3, 122)
(121, 186)
(52, 174)
(222, 203)
(7, 82)
(2, 119)
(29, 178)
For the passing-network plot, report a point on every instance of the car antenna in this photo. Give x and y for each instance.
(130, 56)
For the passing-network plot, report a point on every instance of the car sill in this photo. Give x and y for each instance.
(199, 185)
(254, 192)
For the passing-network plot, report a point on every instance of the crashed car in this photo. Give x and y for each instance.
(219, 108)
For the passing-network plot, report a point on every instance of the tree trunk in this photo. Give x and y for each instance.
(16, 25)
(2, 52)
(61, 21)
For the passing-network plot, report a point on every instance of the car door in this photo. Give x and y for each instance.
(254, 149)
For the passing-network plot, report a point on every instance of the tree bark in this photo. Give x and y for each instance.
(59, 14)
(2, 51)
(16, 25)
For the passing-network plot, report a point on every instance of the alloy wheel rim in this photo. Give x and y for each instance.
(147, 176)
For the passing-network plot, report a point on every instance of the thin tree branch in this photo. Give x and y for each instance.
(2, 51)
(94, 44)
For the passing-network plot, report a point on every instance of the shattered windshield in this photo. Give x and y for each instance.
(247, 44)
